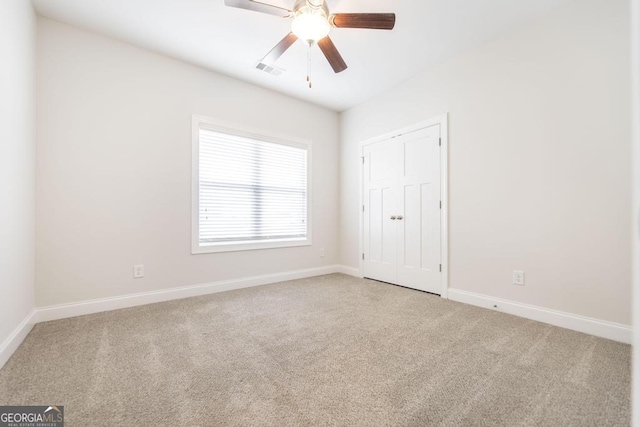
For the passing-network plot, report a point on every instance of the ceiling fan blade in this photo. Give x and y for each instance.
(333, 56)
(375, 21)
(257, 6)
(280, 48)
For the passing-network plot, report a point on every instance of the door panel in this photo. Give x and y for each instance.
(379, 165)
(380, 203)
(427, 254)
(415, 154)
(419, 240)
(402, 181)
(412, 221)
(375, 225)
(388, 227)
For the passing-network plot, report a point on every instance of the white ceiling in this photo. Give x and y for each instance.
(230, 41)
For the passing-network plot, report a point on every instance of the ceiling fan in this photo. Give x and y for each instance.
(312, 22)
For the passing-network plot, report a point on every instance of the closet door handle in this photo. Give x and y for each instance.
(400, 217)
(393, 217)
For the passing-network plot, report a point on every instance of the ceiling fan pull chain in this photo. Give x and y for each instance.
(309, 65)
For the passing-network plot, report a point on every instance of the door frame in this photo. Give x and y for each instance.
(443, 121)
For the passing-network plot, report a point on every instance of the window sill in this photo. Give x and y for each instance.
(198, 249)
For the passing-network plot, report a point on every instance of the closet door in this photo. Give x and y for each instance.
(402, 225)
(419, 228)
(380, 178)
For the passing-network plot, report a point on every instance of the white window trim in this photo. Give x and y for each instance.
(198, 122)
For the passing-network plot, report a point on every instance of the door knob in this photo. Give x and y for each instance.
(400, 217)
(393, 217)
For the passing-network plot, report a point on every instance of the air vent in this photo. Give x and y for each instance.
(271, 69)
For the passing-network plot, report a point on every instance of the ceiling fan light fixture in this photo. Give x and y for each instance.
(312, 22)
(310, 25)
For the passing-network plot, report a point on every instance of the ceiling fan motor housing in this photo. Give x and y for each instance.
(312, 4)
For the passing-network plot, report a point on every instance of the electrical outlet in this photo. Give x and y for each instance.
(138, 271)
(518, 278)
(322, 253)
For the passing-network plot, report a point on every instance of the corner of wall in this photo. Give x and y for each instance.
(18, 188)
(635, 215)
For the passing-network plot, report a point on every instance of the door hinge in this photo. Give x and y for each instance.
(440, 204)
(362, 160)
(439, 142)
(440, 268)
(362, 256)
(362, 208)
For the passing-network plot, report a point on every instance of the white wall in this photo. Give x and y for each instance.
(635, 55)
(539, 160)
(114, 168)
(17, 163)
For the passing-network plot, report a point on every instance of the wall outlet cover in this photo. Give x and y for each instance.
(518, 278)
(138, 271)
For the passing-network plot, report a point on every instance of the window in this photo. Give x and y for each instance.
(251, 191)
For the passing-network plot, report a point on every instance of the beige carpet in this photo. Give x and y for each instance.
(331, 350)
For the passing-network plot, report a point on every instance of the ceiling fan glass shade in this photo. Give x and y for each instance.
(310, 25)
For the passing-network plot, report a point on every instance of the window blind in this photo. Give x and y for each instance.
(250, 190)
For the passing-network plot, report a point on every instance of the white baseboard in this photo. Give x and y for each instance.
(11, 344)
(55, 312)
(349, 271)
(600, 328)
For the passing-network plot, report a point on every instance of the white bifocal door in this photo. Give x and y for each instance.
(402, 224)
